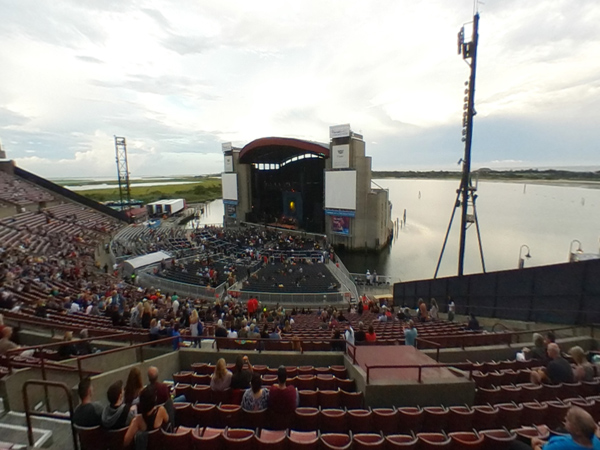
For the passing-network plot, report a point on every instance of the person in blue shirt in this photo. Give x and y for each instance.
(582, 433)
(410, 334)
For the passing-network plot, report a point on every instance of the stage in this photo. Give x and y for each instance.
(398, 355)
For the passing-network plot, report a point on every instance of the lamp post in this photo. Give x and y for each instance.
(521, 257)
(571, 252)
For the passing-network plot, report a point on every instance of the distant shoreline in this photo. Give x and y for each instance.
(563, 178)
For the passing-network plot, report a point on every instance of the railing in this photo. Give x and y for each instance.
(182, 288)
(284, 344)
(343, 278)
(419, 368)
(39, 348)
(168, 340)
(323, 298)
(436, 345)
(29, 412)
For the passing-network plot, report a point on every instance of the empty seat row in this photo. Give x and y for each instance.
(326, 381)
(292, 371)
(209, 438)
(528, 392)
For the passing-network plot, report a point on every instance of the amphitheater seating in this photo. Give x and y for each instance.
(17, 191)
(283, 278)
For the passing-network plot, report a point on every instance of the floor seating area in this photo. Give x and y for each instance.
(136, 240)
(293, 278)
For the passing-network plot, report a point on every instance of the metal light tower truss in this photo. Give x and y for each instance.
(123, 172)
(466, 193)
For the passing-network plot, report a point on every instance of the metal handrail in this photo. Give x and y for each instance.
(420, 368)
(29, 413)
(121, 349)
(435, 344)
(285, 340)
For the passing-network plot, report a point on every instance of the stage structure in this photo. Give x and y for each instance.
(123, 172)
(308, 186)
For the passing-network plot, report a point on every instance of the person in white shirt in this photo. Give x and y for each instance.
(175, 306)
(75, 307)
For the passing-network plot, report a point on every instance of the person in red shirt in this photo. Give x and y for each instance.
(283, 399)
(371, 336)
(162, 390)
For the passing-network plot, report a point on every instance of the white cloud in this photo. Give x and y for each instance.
(178, 79)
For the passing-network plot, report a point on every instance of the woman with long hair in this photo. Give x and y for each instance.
(133, 386)
(150, 416)
(371, 336)
(147, 315)
(256, 397)
(221, 378)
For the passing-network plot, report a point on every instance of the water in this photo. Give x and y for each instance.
(545, 218)
(89, 187)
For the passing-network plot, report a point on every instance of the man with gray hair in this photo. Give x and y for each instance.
(582, 433)
(557, 371)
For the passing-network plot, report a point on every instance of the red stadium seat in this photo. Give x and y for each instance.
(485, 396)
(306, 419)
(305, 382)
(336, 441)
(254, 419)
(557, 410)
(499, 439)
(183, 377)
(352, 400)
(306, 370)
(359, 420)
(238, 439)
(308, 398)
(435, 418)
(333, 421)
(303, 440)
(339, 371)
(401, 442)
(208, 438)
(410, 420)
(229, 415)
(368, 441)
(534, 413)
(511, 393)
(484, 417)
(200, 394)
(467, 440)
(385, 420)
(181, 439)
(509, 415)
(328, 399)
(91, 438)
(221, 396)
(345, 384)
(203, 380)
(325, 382)
(204, 414)
(271, 440)
(115, 439)
(460, 418)
(433, 441)
(184, 415)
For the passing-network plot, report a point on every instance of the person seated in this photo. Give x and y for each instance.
(473, 323)
(88, 413)
(151, 416)
(410, 334)
(241, 377)
(283, 399)
(336, 344)
(557, 371)
(583, 370)
(68, 349)
(162, 390)
(360, 336)
(221, 378)
(582, 433)
(538, 351)
(256, 398)
(133, 386)
(371, 336)
(117, 414)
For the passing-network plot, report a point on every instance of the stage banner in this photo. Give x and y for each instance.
(340, 225)
(340, 157)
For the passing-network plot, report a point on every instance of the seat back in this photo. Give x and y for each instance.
(385, 420)
(360, 420)
(303, 440)
(336, 441)
(91, 438)
(401, 441)
(180, 440)
(467, 440)
(499, 439)
(368, 441)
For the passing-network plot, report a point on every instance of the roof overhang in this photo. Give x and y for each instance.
(274, 150)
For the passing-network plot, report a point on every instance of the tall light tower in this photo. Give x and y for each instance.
(123, 173)
(466, 193)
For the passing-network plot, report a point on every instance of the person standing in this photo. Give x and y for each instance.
(410, 334)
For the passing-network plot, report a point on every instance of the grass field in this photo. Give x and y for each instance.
(202, 191)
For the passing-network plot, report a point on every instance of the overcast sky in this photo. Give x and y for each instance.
(179, 78)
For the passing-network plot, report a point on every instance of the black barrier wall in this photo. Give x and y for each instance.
(562, 293)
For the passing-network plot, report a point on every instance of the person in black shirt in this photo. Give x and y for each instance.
(241, 377)
(88, 413)
(360, 337)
